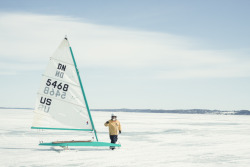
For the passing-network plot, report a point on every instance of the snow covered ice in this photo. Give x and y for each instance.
(148, 139)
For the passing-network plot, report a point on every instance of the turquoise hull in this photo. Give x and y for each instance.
(95, 144)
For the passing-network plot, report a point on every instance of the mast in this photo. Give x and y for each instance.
(84, 96)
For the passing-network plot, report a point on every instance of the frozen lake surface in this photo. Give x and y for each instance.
(148, 139)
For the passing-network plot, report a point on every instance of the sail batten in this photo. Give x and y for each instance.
(60, 101)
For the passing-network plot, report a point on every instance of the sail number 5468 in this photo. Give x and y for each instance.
(59, 86)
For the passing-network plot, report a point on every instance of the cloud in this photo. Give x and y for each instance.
(28, 40)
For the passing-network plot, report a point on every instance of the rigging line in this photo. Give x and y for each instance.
(61, 80)
(61, 100)
(51, 58)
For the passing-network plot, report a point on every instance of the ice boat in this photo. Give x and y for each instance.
(61, 102)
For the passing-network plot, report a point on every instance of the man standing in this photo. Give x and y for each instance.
(114, 127)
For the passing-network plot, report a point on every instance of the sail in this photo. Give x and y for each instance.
(60, 102)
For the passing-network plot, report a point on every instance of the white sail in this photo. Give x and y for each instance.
(60, 101)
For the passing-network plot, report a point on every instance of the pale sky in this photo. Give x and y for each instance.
(131, 54)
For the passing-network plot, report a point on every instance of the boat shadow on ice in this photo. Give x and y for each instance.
(55, 149)
(72, 149)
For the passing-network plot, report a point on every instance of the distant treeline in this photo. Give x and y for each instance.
(189, 111)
